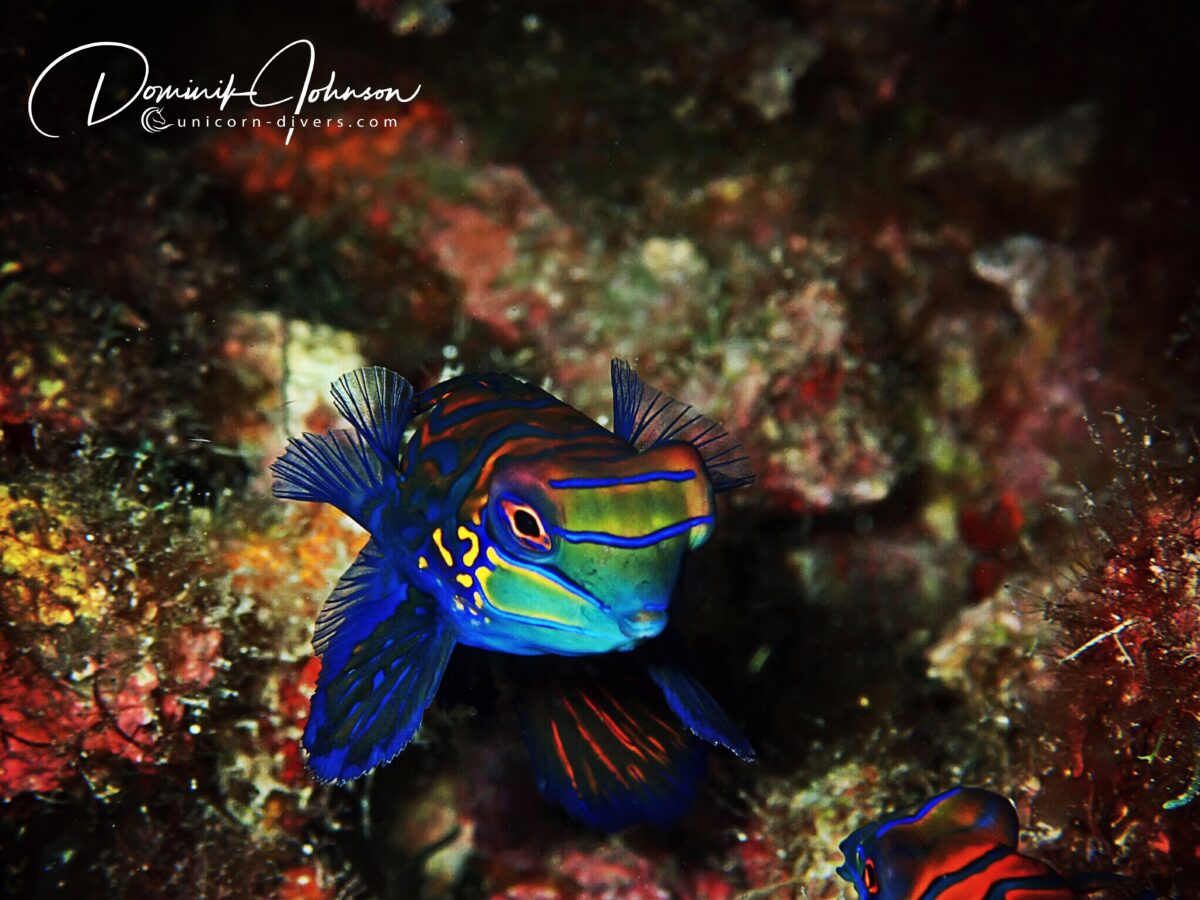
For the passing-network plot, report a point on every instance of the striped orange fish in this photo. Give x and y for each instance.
(514, 523)
(959, 845)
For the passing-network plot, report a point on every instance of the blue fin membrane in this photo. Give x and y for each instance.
(336, 468)
(646, 417)
(378, 403)
(696, 707)
(383, 648)
(603, 746)
(363, 590)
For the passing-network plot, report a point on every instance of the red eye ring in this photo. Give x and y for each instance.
(870, 877)
(526, 525)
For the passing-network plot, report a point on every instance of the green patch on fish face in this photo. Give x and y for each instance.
(580, 554)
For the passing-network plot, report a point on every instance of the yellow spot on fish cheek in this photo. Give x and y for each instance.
(472, 552)
(437, 540)
(464, 579)
(422, 562)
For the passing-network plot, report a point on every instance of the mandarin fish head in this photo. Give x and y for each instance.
(581, 553)
(861, 867)
(887, 858)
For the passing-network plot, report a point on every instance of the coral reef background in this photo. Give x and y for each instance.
(934, 261)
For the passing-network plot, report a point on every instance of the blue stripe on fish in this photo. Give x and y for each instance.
(640, 540)
(920, 814)
(442, 423)
(643, 478)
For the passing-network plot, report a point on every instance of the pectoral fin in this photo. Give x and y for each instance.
(338, 468)
(354, 470)
(696, 707)
(383, 648)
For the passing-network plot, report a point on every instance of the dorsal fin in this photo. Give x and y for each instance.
(646, 417)
(378, 403)
(336, 468)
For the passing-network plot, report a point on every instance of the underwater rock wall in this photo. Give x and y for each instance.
(933, 263)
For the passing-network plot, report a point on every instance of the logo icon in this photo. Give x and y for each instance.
(153, 120)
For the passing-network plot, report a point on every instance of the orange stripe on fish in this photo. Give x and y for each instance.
(959, 845)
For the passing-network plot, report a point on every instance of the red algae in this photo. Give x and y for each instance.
(1130, 623)
(992, 532)
(77, 691)
(43, 749)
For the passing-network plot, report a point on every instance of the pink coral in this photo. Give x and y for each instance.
(48, 728)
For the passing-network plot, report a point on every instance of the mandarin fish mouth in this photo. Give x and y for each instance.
(647, 623)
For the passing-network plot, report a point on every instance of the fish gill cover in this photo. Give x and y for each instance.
(931, 265)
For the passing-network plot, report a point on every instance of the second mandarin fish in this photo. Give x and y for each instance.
(959, 845)
(514, 523)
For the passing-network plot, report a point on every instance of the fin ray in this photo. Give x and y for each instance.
(698, 710)
(378, 403)
(604, 748)
(336, 468)
(370, 580)
(647, 417)
(383, 650)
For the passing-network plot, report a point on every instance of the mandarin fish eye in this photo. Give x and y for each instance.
(526, 525)
(870, 877)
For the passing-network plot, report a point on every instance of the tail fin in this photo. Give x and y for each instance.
(606, 747)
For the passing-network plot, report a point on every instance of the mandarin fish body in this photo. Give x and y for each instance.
(514, 523)
(959, 845)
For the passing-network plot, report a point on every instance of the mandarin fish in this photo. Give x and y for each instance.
(514, 523)
(959, 845)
